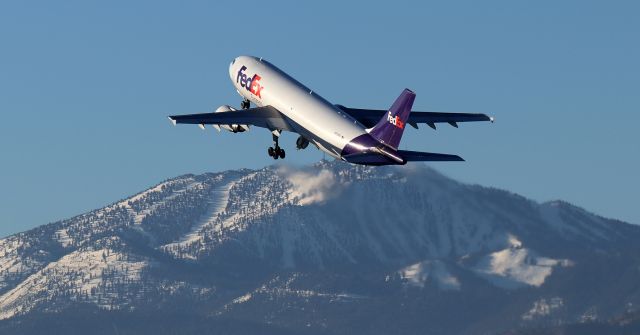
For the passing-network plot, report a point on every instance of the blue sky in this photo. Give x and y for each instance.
(85, 88)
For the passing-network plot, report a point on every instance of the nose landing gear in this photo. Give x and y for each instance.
(276, 152)
(245, 104)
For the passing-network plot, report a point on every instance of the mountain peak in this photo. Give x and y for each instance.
(243, 240)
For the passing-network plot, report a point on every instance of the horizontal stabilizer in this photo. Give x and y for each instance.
(414, 156)
(368, 158)
(374, 158)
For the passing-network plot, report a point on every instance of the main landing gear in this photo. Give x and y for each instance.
(275, 151)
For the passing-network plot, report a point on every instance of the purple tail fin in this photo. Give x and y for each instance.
(389, 129)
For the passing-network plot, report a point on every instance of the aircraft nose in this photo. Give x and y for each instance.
(231, 67)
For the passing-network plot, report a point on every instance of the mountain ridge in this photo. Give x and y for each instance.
(243, 243)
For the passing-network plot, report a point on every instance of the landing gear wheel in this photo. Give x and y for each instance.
(275, 151)
(245, 104)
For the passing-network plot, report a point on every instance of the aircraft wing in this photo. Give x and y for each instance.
(369, 117)
(265, 117)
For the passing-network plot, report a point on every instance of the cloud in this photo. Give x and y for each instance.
(310, 187)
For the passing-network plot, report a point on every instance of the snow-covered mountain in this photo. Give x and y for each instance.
(330, 248)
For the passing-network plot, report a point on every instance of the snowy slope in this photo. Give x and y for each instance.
(328, 237)
(92, 274)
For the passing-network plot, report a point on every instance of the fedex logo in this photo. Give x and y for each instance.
(395, 120)
(251, 84)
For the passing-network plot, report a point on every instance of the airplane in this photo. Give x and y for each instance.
(354, 135)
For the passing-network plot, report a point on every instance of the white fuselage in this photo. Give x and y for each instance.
(319, 121)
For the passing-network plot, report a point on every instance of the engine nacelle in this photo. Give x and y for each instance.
(302, 143)
(234, 128)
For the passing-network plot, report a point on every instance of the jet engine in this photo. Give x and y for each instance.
(302, 143)
(234, 128)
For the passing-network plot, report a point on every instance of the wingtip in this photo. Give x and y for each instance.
(456, 158)
(173, 121)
